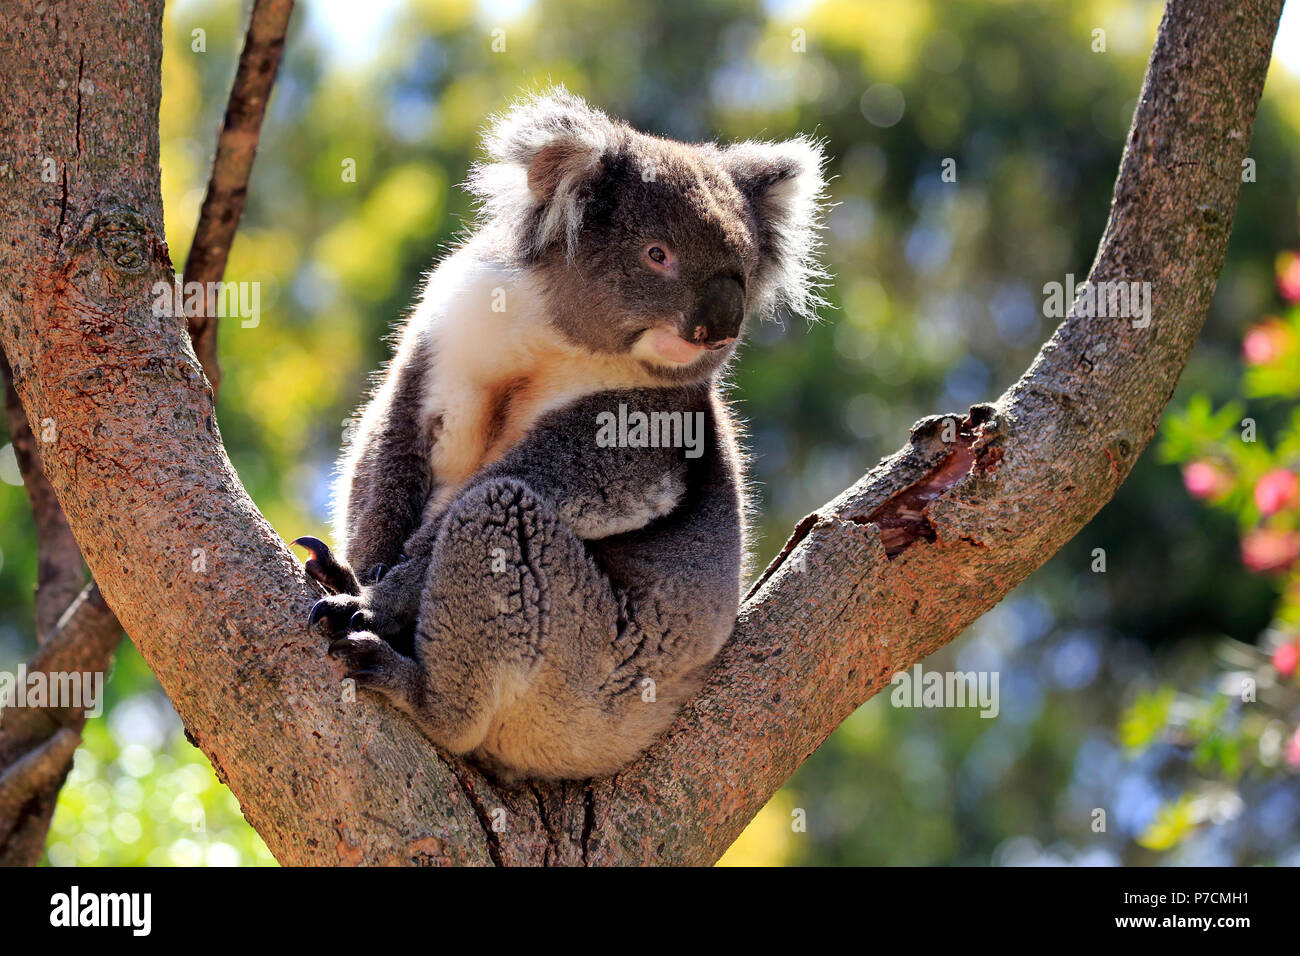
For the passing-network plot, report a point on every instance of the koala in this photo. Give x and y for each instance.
(541, 511)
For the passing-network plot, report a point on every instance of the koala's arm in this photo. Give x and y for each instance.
(597, 490)
(385, 482)
(387, 469)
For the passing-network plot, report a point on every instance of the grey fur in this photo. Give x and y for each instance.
(549, 615)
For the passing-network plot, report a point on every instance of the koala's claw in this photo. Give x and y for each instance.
(317, 612)
(326, 569)
(337, 611)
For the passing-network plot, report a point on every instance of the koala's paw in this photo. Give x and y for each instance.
(372, 663)
(337, 615)
(333, 574)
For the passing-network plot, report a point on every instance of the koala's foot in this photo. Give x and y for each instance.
(338, 615)
(377, 601)
(333, 574)
(518, 631)
(374, 664)
(340, 612)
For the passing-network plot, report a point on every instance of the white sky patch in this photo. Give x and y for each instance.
(1286, 50)
(351, 32)
(502, 12)
(787, 9)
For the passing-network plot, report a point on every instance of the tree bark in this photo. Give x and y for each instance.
(75, 628)
(874, 581)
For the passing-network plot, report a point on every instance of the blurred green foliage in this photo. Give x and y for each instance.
(937, 304)
(146, 805)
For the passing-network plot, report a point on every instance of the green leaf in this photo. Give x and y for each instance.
(1174, 822)
(1199, 432)
(1144, 721)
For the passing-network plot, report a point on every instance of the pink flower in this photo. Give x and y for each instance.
(1265, 342)
(1274, 491)
(1288, 276)
(1292, 752)
(1205, 480)
(1285, 659)
(1269, 550)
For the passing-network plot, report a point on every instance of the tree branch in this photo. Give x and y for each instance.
(84, 642)
(223, 204)
(878, 578)
(29, 788)
(59, 575)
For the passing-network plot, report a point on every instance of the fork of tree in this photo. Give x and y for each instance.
(873, 581)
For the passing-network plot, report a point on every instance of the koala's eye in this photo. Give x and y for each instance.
(659, 258)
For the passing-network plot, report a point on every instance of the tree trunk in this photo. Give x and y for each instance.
(85, 637)
(875, 580)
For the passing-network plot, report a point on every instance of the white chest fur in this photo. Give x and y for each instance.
(497, 366)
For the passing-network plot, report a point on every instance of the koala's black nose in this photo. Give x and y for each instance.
(719, 310)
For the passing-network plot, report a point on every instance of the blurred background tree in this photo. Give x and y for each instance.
(938, 303)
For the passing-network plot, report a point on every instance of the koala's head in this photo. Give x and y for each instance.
(648, 247)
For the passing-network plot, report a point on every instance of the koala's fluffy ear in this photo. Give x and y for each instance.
(544, 155)
(784, 184)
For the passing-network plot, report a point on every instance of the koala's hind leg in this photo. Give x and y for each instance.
(512, 599)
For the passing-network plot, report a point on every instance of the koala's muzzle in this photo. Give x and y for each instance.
(719, 310)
